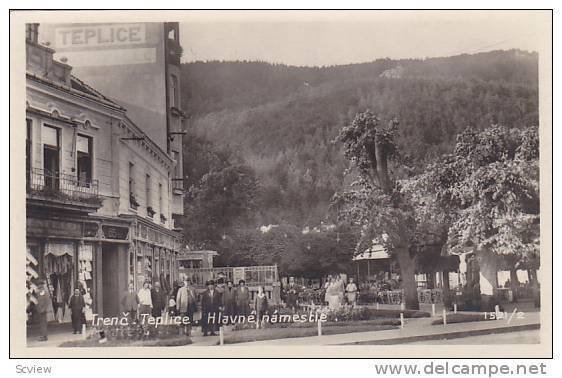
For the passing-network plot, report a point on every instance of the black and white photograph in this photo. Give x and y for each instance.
(221, 183)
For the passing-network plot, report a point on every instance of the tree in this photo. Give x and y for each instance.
(220, 200)
(375, 202)
(490, 187)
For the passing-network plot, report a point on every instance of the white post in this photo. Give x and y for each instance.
(378, 305)
(84, 331)
(433, 309)
(401, 320)
(221, 335)
(497, 308)
(444, 317)
(455, 307)
(319, 328)
(402, 306)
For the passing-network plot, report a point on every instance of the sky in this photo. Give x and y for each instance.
(321, 38)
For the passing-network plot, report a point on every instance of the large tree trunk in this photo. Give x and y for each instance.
(488, 262)
(382, 169)
(407, 274)
(514, 283)
(446, 286)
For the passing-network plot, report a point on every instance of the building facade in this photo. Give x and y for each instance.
(99, 189)
(138, 66)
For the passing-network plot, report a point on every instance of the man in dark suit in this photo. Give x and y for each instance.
(242, 298)
(159, 300)
(229, 299)
(76, 304)
(211, 301)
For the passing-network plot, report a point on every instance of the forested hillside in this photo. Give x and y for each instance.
(281, 121)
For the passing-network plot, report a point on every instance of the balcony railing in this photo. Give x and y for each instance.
(62, 186)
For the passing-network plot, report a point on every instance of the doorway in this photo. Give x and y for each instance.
(110, 279)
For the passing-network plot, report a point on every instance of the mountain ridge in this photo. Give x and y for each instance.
(281, 120)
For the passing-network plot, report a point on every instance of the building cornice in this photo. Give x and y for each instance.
(74, 92)
(145, 142)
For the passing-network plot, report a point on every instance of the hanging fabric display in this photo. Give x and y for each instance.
(58, 257)
(59, 268)
(148, 263)
(85, 276)
(31, 267)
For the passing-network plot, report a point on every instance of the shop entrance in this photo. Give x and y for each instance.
(110, 279)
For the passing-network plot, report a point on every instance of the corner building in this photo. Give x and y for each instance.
(102, 192)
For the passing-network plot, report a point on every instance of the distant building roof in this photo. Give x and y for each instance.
(191, 254)
(79, 85)
(376, 252)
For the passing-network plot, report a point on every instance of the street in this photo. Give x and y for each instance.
(525, 337)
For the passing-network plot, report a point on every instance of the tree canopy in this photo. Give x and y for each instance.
(490, 186)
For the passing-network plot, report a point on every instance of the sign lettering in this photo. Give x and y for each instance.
(103, 35)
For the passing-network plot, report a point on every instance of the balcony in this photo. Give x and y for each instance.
(61, 188)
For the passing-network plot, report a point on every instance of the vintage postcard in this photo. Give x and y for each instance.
(328, 183)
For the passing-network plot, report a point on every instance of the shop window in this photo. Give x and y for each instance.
(131, 265)
(148, 261)
(172, 34)
(59, 273)
(84, 160)
(177, 180)
(133, 203)
(28, 144)
(174, 91)
(86, 276)
(160, 199)
(148, 192)
(51, 156)
(31, 32)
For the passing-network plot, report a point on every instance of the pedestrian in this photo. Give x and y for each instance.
(185, 303)
(326, 286)
(260, 305)
(192, 304)
(211, 302)
(43, 303)
(242, 299)
(130, 302)
(229, 299)
(77, 306)
(174, 291)
(351, 292)
(184, 299)
(333, 295)
(158, 300)
(172, 309)
(341, 288)
(292, 296)
(145, 300)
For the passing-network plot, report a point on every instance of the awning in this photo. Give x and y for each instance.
(59, 249)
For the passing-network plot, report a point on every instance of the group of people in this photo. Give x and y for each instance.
(227, 300)
(149, 300)
(183, 301)
(77, 303)
(337, 292)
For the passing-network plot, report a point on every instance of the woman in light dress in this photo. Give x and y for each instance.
(326, 285)
(333, 294)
